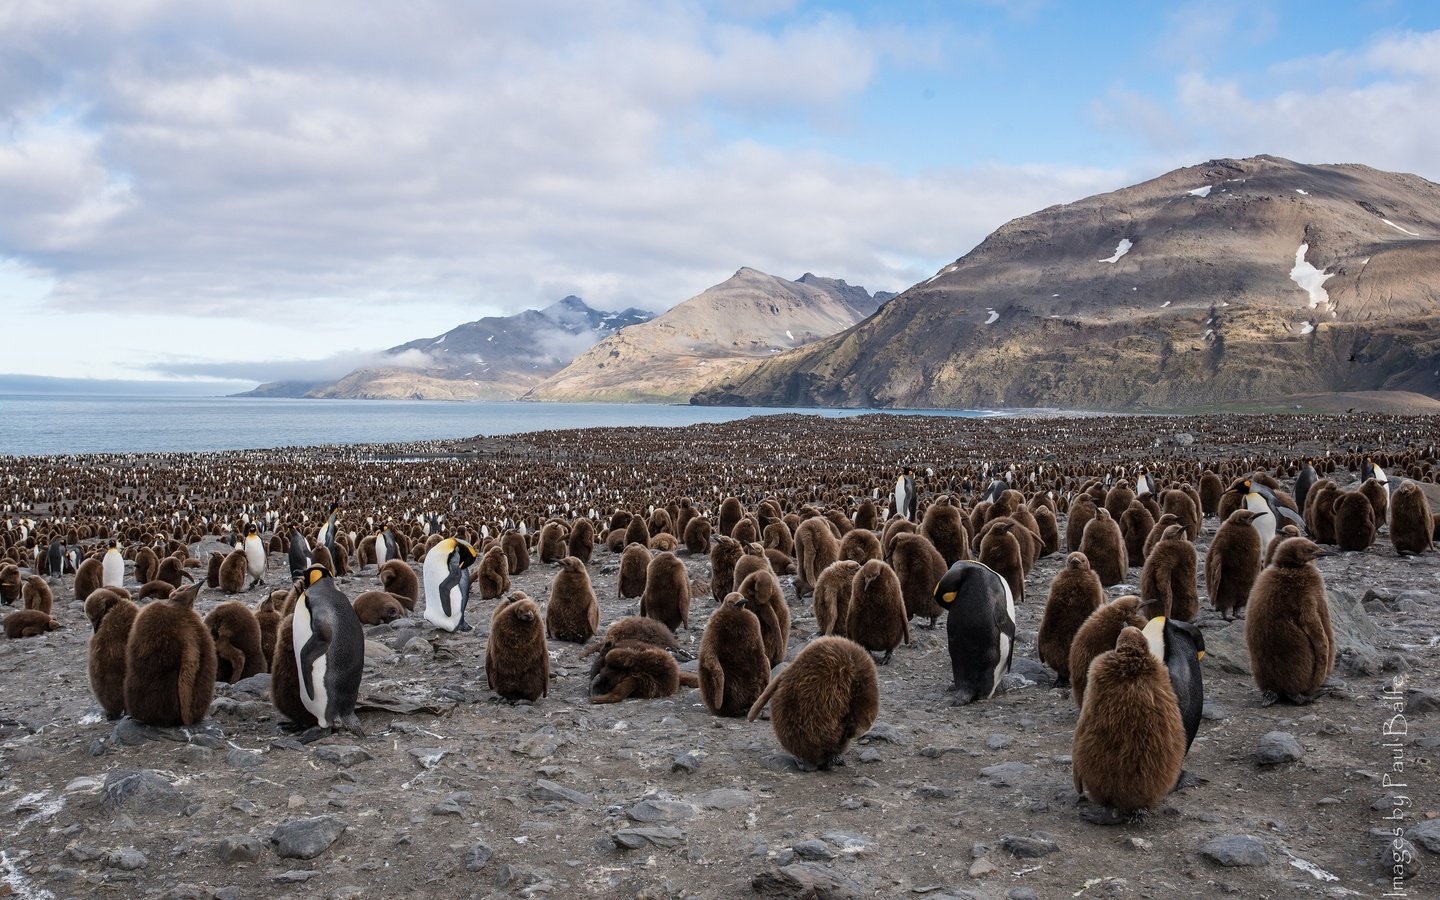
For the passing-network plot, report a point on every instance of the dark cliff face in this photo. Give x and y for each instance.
(1182, 291)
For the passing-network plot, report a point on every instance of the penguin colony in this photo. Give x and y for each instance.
(157, 660)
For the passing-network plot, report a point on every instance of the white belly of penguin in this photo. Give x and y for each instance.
(254, 557)
(1264, 524)
(436, 571)
(113, 570)
(301, 631)
(1004, 638)
(380, 557)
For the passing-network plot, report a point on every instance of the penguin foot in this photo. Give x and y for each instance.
(1305, 699)
(1268, 698)
(885, 661)
(1136, 817)
(1188, 780)
(254, 584)
(1062, 681)
(464, 627)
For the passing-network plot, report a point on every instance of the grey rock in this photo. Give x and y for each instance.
(238, 849)
(1421, 700)
(1357, 637)
(256, 686)
(428, 757)
(999, 741)
(127, 858)
(1225, 647)
(342, 755)
(295, 876)
(1426, 834)
(544, 791)
(658, 835)
(871, 755)
(1022, 893)
(1275, 747)
(1031, 669)
(244, 759)
(808, 880)
(726, 798)
(846, 841)
(478, 856)
(535, 746)
(660, 811)
(1182, 439)
(686, 762)
(306, 838)
(142, 792)
(1399, 858)
(1029, 846)
(813, 850)
(1236, 849)
(229, 892)
(883, 731)
(1008, 774)
(931, 792)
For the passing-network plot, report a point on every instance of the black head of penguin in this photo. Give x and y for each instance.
(980, 629)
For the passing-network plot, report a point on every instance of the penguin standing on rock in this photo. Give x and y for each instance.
(329, 646)
(905, 499)
(447, 584)
(254, 557)
(980, 629)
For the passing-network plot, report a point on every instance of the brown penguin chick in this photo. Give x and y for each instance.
(1354, 521)
(285, 678)
(979, 515)
(1156, 533)
(943, 525)
(1119, 498)
(764, 597)
(634, 566)
(146, 564)
(734, 667)
(642, 671)
(551, 543)
(894, 526)
(572, 613)
(1374, 491)
(1075, 593)
(730, 512)
(1000, 552)
(746, 531)
(1169, 576)
(777, 536)
(1288, 630)
(1411, 523)
(1025, 538)
(517, 552)
(637, 532)
(867, 515)
(36, 595)
(1049, 530)
(1081, 512)
(494, 577)
(267, 614)
(815, 548)
(236, 633)
(320, 556)
(517, 663)
(697, 535)
(1233, 563)
(752, 560)
(377, 608)
(581, 542)
(1281, 536)
(89, 577)
(638, 629)
(1135, 526)
(156, 588)
(723, 557)
(1180, 504)
(877, 619)
(780, 564)
(919, 566)
(170, 662)
(1129, 743)
(173, 570)
(1097, 635)
(667, 592)
(397, 578)
(615, 540)
(111, 616)
(826, 698)
(660, 522)
(232, 571)
(859, 546)
(24, 623)
(10, 582)
(665, 543)
(1320, 511)
(212, 571)
(832, 596)
(1212, 491)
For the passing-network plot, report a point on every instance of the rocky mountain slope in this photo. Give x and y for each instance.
(494, 358)
(749, 316)
(1234, 280)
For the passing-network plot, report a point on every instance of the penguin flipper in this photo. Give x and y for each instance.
(314, 648)
(712, 680)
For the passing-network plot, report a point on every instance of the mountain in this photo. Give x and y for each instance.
(494, 358)
(1230, 281)
(749, 316)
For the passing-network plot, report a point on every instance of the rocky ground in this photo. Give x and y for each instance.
(455, 794)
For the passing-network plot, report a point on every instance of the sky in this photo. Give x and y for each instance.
(255, 191)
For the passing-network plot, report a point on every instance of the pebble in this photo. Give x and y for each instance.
(295, 876)
(1236, 850)
(478, 856)
(1399, 857)
(142, 792)
(1008, 774)
(664, 811)
(807, 880)
(1275, 747)
(238, 849)
(1029, 846)
(982, 868)
(726, 798)
(658, 836)
(306, 838)
(1426, 834)
(342, 755)
(813, 850)
(127, 858)
(545, 790)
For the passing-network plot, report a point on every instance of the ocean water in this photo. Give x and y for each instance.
(50, 424)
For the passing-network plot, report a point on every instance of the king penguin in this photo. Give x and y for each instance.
(300, 557)
(905, 494)
(385, 549)
(980, 629)
(329, 651)
(1259, 498)
(447, 584)
(55, 558)
(1304, 482)
(327, 532)
(254, 556)
(113, 567)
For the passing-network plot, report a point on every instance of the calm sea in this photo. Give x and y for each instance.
(48, 424)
